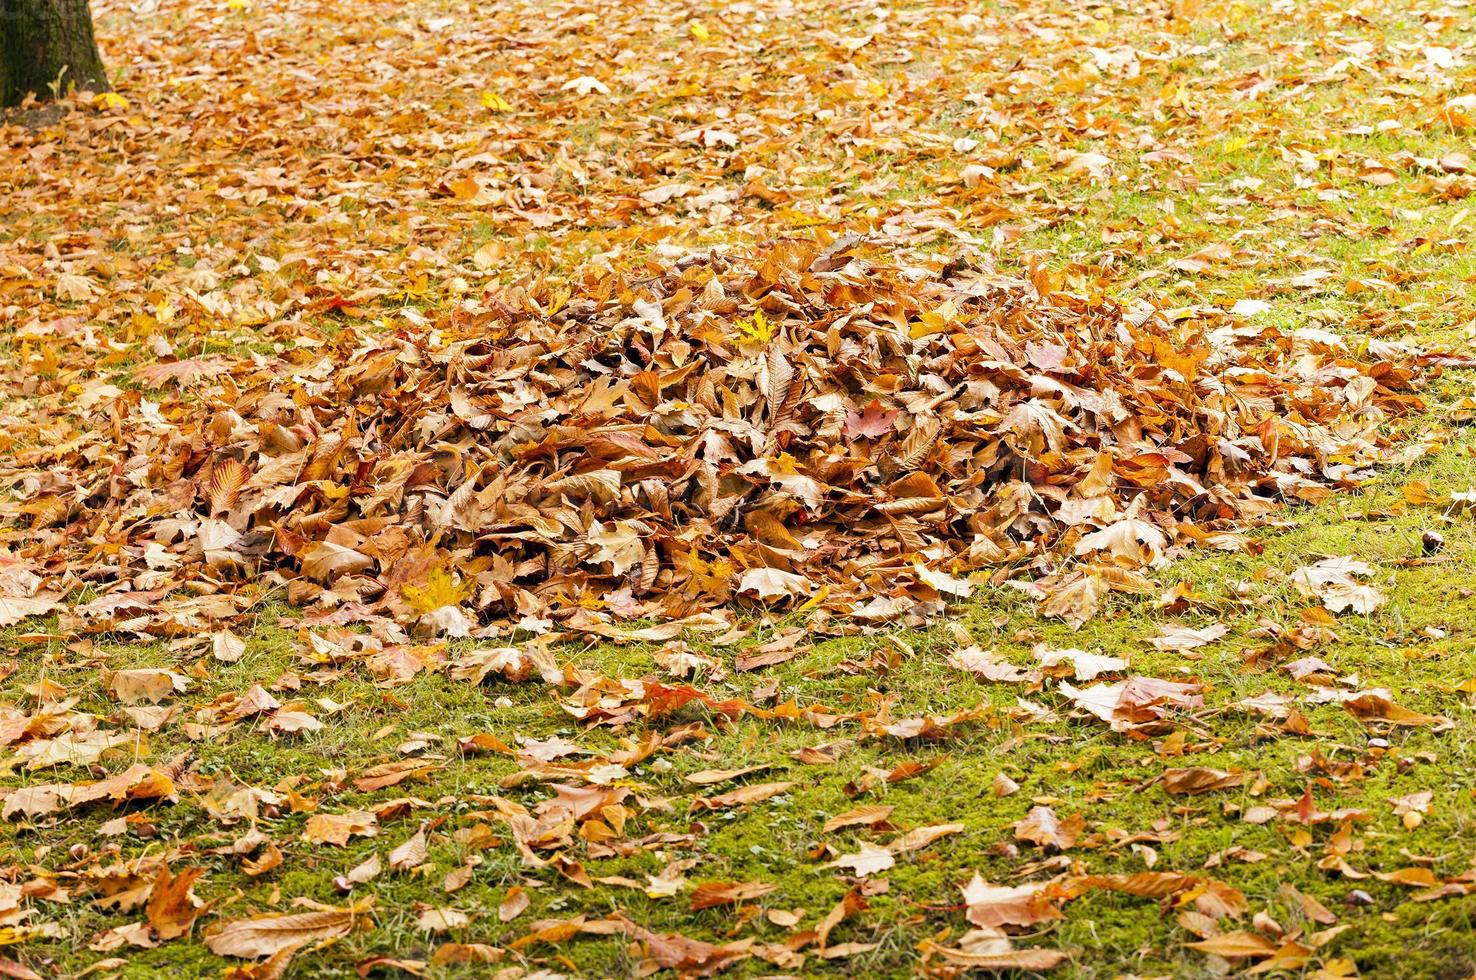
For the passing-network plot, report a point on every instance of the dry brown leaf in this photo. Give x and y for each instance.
(1236, 945)
(514, 903)
(744, 796)
(869, 816)
(172, 907)
(265, 935)
(338, 828)
(1199, 779)
(710, 894)
(412, 853)
(1042, 826)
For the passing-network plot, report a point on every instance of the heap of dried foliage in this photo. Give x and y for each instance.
(804, 424)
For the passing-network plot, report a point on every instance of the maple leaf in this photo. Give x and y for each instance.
(181, 372)
(337, 828)
(756, 330)
(1077, 600)
(1038, 425)
(1335, 582)
(1413, 807)
(773, 583)
(943, 582)
(442, 588)
(172, 907)
(70, 748)
(1134, 700)
(872, 422)
(585, 85)
(1095, 165)
(74, 287)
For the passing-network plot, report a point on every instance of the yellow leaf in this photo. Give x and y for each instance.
(1236, 945)
(799, 219)
(756, 331)
(935, 321)
(441, 589)
(416, 289)
(1418, 494)
(815, 600)
(712, 577)
(109, 100)
(495, 102)
(1413, 877)
(465, 188)
(697, 30)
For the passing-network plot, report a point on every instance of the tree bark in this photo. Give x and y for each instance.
(47, 47)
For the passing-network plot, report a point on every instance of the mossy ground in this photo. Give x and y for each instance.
(1422, 645)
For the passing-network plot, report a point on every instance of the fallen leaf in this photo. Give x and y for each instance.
(265, 935)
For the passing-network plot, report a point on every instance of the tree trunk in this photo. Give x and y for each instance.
(46, 47)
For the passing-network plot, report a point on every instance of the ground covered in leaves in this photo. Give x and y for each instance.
(785, 488)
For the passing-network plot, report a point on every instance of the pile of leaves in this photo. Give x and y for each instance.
(804, 425)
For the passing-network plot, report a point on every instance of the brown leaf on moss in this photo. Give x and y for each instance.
(266, 935)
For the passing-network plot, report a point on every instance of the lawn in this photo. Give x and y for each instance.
(617, 797)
